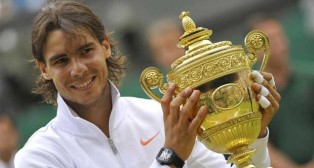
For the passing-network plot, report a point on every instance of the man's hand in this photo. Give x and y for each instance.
(180, 128)
(267, 96)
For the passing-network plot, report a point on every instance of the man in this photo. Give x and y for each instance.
(292, 145)
(94, 126)
(163, 37)
(9, 139)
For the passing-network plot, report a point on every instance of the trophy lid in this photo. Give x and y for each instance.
(203, 60)
(192, 33)
(195, 38)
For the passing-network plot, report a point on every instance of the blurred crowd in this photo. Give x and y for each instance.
(151, 40)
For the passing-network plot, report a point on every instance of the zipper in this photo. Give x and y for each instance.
(115, 152)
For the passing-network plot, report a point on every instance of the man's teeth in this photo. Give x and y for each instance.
(83, 84)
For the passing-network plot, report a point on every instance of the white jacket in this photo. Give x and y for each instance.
(69, 141)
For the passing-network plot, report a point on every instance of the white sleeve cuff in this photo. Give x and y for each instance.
(261, 155)
(157, 165)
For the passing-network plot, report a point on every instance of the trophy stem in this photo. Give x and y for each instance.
(241, 157)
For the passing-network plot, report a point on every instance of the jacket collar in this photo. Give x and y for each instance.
(68, 121)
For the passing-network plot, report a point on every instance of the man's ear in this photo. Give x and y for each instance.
(107, 48)
(42, 66)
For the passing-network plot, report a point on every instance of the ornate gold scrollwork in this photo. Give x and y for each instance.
(256, 41)
(152, 78)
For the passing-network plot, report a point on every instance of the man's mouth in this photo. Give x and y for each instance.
(83, 84)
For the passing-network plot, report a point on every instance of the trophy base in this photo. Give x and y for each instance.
(242, 157)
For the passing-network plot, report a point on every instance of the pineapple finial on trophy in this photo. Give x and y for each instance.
(192, 33)
(187, 22)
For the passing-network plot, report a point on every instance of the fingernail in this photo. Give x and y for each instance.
(188, 90)
(194, 94)
(171, 86)
(256, 86)
(272, 82)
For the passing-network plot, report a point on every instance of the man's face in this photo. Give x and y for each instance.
(164, 47)
(277, 39)
(8, 139)
(77, 66)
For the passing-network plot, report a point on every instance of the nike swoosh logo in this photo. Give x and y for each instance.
(146, 142)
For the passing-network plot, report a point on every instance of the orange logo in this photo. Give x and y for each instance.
(146, 142)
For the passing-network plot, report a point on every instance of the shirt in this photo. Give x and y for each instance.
(136, 135)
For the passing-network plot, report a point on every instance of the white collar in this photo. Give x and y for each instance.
(68, 120)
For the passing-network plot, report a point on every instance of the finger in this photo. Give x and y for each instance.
(269, 78)
(265, 106)
(271, 89)
(198, 120)
(177, 102)
(273, 92)
(272, 82)
(166, 99)
(269, 107)
(273, 103)
(263, 102)
(263, 91)
(257, 77)
(189, 106)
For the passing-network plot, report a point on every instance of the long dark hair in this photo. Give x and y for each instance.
(72, 17)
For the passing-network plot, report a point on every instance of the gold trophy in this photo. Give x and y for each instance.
(221, 72)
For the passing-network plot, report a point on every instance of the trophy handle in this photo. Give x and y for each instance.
(152, 78)
(256, 41)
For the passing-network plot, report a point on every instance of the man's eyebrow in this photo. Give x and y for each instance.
(85, 46)
(56, 56)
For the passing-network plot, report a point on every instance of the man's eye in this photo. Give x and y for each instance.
(87, 50)
(61, 60)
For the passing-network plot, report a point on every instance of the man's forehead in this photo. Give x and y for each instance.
(76, 42)
(61, 40)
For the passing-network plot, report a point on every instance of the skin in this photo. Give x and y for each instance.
(162, 44)
(180, 126)
(71, 64)
(80, 74)
(8, 139)
(273, 98)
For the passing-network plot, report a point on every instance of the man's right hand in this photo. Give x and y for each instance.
(180, 128)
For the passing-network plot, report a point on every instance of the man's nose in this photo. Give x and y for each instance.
(78, 68)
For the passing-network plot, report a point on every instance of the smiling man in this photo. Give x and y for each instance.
(95, 127)
(77, 66)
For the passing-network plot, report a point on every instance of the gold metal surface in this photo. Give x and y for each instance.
(220, 71)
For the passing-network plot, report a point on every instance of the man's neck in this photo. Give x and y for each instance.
(98, 112)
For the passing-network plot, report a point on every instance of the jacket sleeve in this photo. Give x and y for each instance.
(36, 159)
(202, 157)
(261, 156)
(157, 165)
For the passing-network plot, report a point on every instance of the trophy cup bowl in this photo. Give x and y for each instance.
(221, 72)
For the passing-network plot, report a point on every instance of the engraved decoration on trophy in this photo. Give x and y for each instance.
(221, 72)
